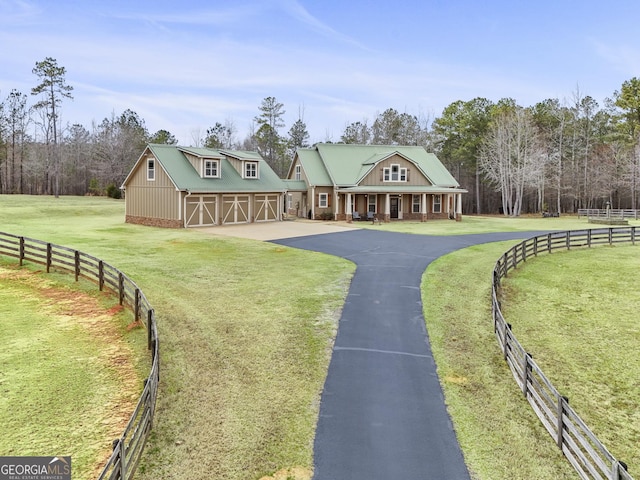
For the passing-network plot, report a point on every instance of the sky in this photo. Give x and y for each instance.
(183, 66)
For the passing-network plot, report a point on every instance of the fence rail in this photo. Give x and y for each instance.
(127, 449)
(580, 446)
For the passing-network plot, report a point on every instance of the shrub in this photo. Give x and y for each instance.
(113, 191)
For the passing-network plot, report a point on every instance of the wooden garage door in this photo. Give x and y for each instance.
(235, 209)
(200, 211)
(266, 208)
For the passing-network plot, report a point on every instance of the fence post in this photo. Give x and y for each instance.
(562, 403)
(526, 368)
(549, 242)
(100, 275)
(48, 257)
(136, 304)
(149, 321)
(616, 470)
(507, 334)
(568, 239)
(21, 250)
(77, 263)
(610, 235)
(589, 238)
(121, 287)
(535, 246)
(633, 235)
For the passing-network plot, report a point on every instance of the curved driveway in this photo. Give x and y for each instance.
(382, 412)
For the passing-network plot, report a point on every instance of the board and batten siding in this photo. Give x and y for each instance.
(152, 198)
(374, 178)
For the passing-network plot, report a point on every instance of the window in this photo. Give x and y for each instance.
(211, 168)
(151, 169)
(372, 203)
(437, 203)
(289, 201)
(394, 174)
(416, 204)
(323, 200)
(251, 170)
(298, 173)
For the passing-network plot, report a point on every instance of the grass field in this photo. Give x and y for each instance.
(70, 370)
(246, 329)
(575, 312)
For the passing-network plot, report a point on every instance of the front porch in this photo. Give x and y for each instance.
(387, 207)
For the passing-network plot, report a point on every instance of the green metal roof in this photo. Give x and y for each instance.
(313, 167)
(299, 185)
(345, 165)
(185, 177)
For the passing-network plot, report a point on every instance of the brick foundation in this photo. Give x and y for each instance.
(154, 222)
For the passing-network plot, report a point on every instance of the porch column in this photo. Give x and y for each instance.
(459, 207)
(423, 208)
(313, 203)
(348, 210)
(387, 208)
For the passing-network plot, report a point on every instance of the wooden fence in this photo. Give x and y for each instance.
(616, 213)
(580, 446)
(127, 449)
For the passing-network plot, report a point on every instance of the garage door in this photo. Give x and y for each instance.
(266, 208)
(235, 209)
(200, 211)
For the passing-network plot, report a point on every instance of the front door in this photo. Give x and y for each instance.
(393, 206)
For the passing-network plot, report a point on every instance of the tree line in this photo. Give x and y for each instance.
(553, 156)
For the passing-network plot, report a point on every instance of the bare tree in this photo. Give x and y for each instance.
(510, 156)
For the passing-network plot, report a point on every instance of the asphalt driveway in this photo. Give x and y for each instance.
(382, 412)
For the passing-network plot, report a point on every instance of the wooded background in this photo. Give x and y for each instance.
(556, 155)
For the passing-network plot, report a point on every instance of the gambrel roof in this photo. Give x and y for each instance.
(345, 165)
(173, 160)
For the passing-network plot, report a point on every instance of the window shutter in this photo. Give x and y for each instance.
(408, 172)
(382, 174)
(318, 200)
(329, 200)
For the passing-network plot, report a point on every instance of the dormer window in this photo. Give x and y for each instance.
(251, 170)
(394, 174)
(298, 174)
(211, 169)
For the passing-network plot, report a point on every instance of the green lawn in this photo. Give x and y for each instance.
(246, 329)
(70, 371)
(576, 312)
(487, 224)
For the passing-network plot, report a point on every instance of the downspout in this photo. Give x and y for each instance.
(313, 203)
(184, 216)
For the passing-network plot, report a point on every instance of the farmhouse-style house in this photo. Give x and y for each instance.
(172, 186)
(383, 182)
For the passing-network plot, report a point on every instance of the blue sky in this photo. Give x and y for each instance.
(183, 66)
